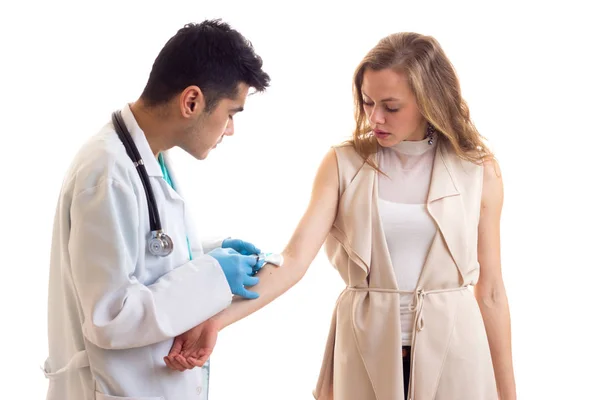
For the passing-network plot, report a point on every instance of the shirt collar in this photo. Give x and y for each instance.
(139, 138)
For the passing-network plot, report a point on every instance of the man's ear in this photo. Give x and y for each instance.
(191, 101)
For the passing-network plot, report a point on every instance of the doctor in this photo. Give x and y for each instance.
(128, 273)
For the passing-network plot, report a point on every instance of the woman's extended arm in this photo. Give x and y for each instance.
(490, 291)
(300, 250)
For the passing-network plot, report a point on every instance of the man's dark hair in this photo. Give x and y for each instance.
(210, 55)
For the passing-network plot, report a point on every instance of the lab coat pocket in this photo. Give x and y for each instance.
(102, 396)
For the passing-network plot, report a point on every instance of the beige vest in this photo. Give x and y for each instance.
(363, 355)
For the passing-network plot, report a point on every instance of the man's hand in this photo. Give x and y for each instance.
(238, 270)
(193, 348)
(244, 248)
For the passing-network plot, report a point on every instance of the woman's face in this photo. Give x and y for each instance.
(391, 107)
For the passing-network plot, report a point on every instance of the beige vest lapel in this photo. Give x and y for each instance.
(353, 225)
(358, 230)
(446, 207)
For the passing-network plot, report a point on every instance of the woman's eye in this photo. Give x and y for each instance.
(388, 109)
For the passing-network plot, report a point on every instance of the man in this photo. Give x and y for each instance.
(116, 301)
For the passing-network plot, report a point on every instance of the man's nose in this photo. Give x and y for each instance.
(229, 128)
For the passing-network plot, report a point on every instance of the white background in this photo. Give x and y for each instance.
(529, 71)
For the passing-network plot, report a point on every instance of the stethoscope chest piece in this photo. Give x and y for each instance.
(160, 244)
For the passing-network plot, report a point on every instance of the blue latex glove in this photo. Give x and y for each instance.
(244, 248)
(259, 264)
(238, 270)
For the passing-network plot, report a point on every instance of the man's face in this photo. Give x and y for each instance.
(207, 130)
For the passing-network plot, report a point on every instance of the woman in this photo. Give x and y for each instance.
(409, 211)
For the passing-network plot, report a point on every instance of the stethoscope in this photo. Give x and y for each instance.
(160, 243)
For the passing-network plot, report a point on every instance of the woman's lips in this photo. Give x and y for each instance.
(381, 134)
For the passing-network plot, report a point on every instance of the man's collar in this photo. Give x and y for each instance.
(139, 138)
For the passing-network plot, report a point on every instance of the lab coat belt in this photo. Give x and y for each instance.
(78, 361)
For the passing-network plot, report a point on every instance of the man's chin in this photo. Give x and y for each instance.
(202, 154)
(199, 155)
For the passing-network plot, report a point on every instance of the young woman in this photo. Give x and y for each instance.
(409, 212)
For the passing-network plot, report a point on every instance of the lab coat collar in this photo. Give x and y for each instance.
(139, 138)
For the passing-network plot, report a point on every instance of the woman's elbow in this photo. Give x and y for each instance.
(490, 295)
(296, 263)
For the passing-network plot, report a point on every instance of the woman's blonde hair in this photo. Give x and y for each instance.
(434, 82)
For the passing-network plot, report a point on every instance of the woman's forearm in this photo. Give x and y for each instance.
(496, 317)
(273, 282)
(301, 250)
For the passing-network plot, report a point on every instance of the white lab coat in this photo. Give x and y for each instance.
(114, 308)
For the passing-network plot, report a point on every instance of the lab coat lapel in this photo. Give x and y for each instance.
(177, 194)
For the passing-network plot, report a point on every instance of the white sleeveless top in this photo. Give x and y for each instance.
(408, 227)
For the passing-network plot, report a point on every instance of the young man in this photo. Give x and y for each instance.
(127, 272)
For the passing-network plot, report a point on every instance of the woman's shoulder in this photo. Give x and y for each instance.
(467, 159)
(347, 155)
(475, 168)
(346, 145)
